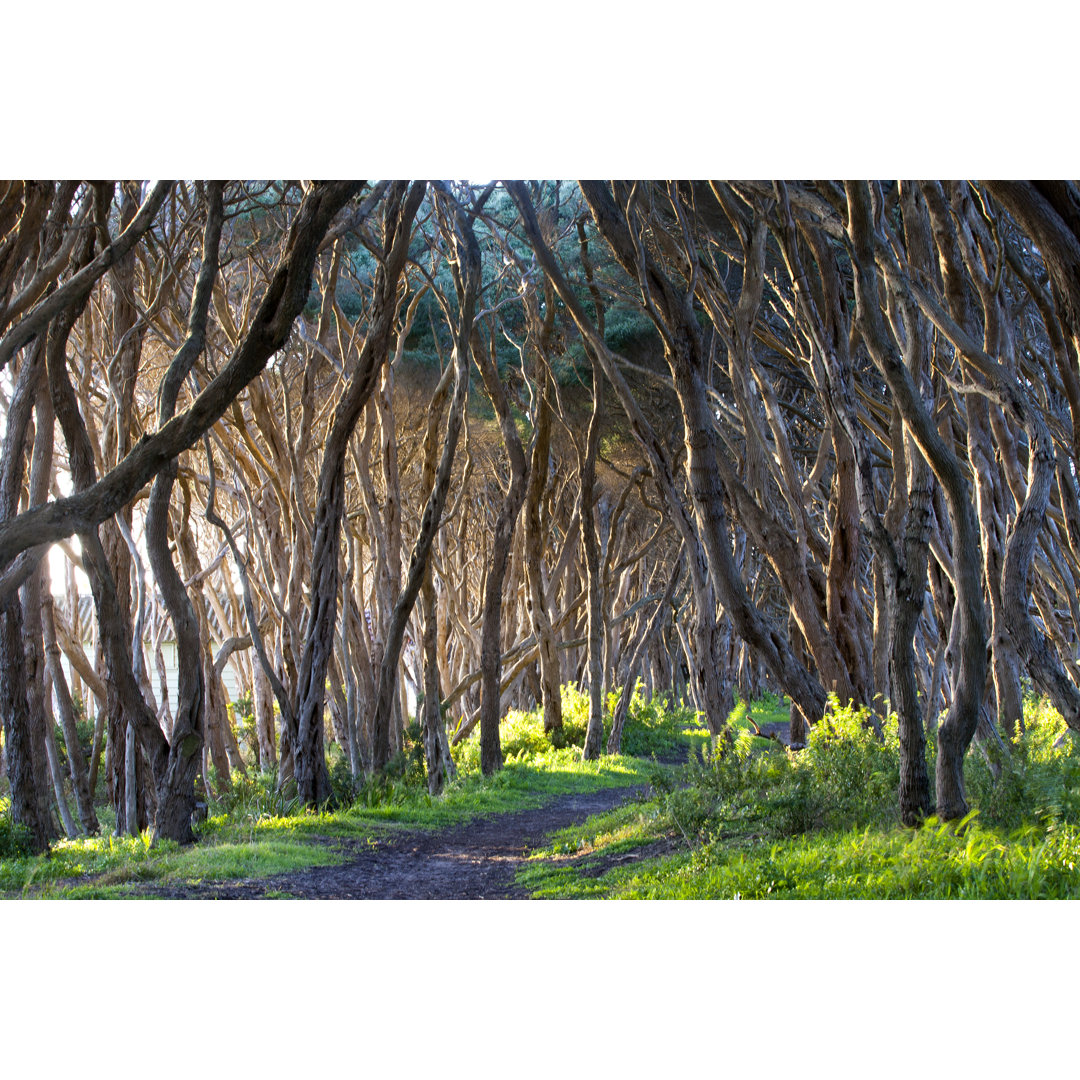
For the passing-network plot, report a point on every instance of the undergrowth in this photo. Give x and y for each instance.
(756, 821)
(654, 728)
(107, 866)
(256, 828)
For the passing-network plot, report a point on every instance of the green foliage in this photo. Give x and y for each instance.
(653, 728)
(757, 821)
(625, 327)
(342, 782)
(854, 776)
(656, 727)
(405, 771)
(845, 777)
(254, 797)
(84, 730)
(1039, 779)
(15, 839)
(242, 715)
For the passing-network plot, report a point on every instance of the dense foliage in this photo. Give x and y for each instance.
(757, 822)
(380, 483)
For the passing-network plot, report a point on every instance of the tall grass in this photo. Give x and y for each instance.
(758, 821)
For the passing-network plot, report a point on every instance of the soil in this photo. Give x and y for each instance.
(476, 861)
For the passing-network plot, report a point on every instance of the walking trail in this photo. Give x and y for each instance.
(476, 861)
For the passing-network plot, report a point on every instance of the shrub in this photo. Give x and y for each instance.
(1039, 779)
(242, 715)
(653, 728)
(855, 775)
(84, 730)
(254, 796)
(15, 839)
(844, 778)
(405, 771)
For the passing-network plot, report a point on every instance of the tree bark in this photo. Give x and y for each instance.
(958, 728)
(467, 271)
(594, 733)
(26, 799)
(283, 300)
(176, 786)
(550, 682)
(80, 783)
(312, 778)
(491, 757)
(618, 719)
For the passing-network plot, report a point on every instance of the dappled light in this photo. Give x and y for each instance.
(551, 538)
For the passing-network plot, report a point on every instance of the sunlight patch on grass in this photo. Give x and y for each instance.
(938, 862)
(520, 785)
(118, 862)
(631, 824)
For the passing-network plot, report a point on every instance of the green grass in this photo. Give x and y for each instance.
(567, 865)
(107, 867)
(767, 709)
(759, 822)
(936, 862)
(522, 784)
(751, 820)
(254, 832)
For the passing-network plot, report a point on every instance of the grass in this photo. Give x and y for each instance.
(761, 823)
(106, 867)
(254, 831)
(750, 821)
(248, 843)
(574, 861)
(936, 862)
(522, 784)
(767, 709)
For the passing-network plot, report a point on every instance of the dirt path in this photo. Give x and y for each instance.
(466, 862)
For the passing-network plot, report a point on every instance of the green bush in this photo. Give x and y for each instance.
(848, 778)
(627, 326)
(1039, 778)
(855, 775)
(15, 839)
(344, 786)
(653, 728)
(242, 716)
(254, 796)
(405, 772)
(84, 730)
(844, 778)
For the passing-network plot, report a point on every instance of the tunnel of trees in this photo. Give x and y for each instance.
(388, 447)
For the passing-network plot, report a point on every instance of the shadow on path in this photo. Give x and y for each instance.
(476, 861)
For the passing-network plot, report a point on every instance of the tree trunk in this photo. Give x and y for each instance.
(80, 784)
(708, 527)
(467, 270)
(26, 798)
(618, 719)
(594, 733)
(550, 682)
(491, 758)
(312, 778)
(957, 730)
(176, 782)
